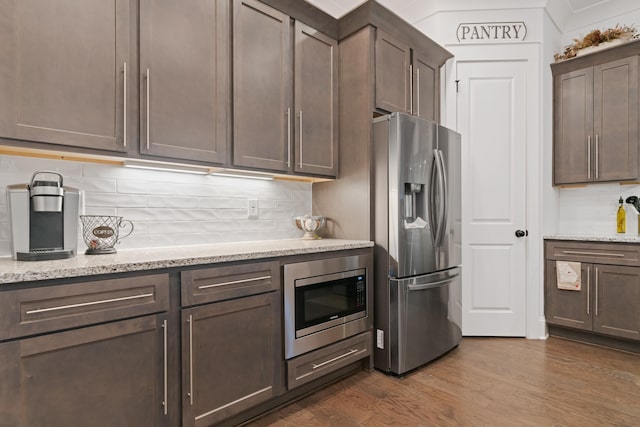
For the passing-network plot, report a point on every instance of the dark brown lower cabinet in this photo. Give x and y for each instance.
(231, 357)
(617, 301)
(568, 307)
(609, 299)
(106, 375)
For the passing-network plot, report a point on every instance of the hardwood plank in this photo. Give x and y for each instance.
(485, 381)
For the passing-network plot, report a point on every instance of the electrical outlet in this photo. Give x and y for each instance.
(380, 339)
(252, 209)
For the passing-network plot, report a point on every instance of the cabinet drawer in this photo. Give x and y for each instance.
(315, 364)
(227, 282)
(49, 308)
(600, 253)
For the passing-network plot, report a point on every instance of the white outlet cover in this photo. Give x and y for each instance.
(380, 339)
(252, 209)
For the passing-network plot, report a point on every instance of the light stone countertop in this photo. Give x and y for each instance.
(610, 238)
(126, 260)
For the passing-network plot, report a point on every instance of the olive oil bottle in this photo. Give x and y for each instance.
(621, 217)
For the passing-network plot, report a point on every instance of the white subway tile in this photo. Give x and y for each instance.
(22, 168)
(5, 248)
(4, 230)
(99, 210)
(92, 199)
(223, 203)
(98, 185)
(170, 209)
(172, 202)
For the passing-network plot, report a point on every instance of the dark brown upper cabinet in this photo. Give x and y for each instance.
(406, 79)
(65, 74)
(596, 118)
(279, 126)
(316, 102)
(185, 79)
(262, 78)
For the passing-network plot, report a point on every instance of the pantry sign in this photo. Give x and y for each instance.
(484, 32)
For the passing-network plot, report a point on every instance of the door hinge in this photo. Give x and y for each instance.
(457, 86)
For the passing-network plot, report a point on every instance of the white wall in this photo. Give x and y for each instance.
(169, 209)
(550, 46)
(601, 16)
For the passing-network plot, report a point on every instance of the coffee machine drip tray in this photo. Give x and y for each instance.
(44, 255)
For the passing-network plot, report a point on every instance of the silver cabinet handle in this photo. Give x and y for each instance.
(124, 106)
(589, 157)
(410, 89)
(288, 137)
(588, 288)
(597, 157)
(349, 353)
(148, 106)
(300, 139)
(233, 282)
(603, 254)
(165, 402)
(190, 393)
(85, 304)
(596, 291)
(418, 91)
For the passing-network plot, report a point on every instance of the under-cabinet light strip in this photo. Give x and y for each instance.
(166, 168)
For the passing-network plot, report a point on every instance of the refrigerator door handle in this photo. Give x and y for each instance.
(429, 285)
(444, 199)
(440, 221)
(432, 197)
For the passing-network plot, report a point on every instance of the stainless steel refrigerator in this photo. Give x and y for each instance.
(417, 229)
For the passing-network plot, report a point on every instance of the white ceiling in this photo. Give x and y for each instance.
(338, 8)
(578, 5)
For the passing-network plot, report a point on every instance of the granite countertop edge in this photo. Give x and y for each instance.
(130, 260)
(612, 238)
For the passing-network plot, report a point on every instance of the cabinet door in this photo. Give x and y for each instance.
(573, 152)
(231, 357)
(392, 74)
(62, 74)
(616, 120)
(565, 307)
(262, 78)
(617, 304)
(426, 90)
(316, 102)
(107, 375)
(185, 79)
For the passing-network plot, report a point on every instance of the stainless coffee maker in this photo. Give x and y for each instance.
(43, 217)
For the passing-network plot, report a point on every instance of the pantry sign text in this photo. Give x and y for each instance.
(491, 32)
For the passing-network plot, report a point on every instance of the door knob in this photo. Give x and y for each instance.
(522, 233)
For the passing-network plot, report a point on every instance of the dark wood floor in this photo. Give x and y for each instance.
(485, 382)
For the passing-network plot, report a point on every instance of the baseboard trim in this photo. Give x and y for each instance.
(595, 339)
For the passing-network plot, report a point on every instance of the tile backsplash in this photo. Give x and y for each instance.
(592, 209)
(168, 208)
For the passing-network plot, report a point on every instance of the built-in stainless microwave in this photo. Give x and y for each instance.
(325, 301)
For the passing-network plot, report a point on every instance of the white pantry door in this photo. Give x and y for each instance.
(491, 109)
